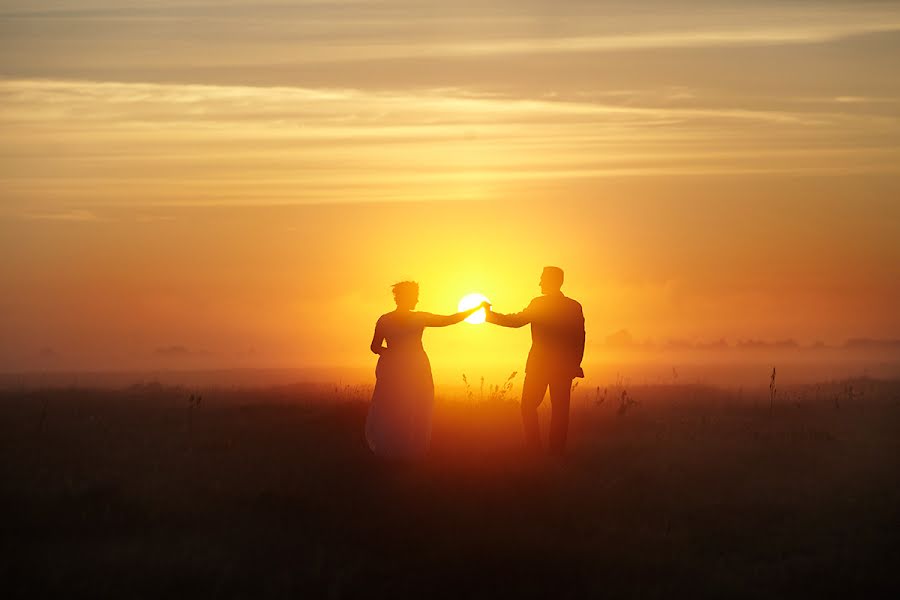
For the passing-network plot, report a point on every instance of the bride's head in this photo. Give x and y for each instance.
(406, 294)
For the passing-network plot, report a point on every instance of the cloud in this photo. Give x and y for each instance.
(47, 354)
(172, 351)
(620, 339)
(659, 40)
(178, 351)
(788, 344)
(154, 218)
(363, 31)
(71, 215)
(153, 144)
(872, 344)
(286, 103)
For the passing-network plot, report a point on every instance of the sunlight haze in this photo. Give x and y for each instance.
(238, 184)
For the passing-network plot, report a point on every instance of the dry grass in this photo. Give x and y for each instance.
(272, 493)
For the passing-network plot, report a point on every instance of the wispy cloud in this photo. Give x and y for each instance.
(69, 215)
(107, 143)
(265, 34)
(656, 40)
(146, 218)
(179, 351)
(285, 102)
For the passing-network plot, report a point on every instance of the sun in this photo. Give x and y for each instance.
(471, 301)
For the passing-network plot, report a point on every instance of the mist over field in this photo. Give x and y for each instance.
(720, 366)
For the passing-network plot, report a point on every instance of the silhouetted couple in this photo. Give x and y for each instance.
(399, 422)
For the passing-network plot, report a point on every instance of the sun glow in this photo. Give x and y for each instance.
(471, 301)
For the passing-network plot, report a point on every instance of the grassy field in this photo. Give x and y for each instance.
(272, 493)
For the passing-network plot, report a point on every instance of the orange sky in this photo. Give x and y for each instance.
(245, 180)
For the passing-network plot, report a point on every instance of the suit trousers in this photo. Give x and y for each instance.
(533, 391)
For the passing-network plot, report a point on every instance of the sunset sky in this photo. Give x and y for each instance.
(237, 183)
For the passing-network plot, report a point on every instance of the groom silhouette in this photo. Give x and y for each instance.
(557, 347)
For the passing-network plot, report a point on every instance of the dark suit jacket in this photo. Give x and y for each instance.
(557, 334)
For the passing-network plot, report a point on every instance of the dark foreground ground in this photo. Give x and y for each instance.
(273, 494)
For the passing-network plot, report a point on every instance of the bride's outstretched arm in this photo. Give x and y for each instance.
(432, 320)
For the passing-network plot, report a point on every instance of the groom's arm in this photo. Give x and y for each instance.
(580, 343)
(518, 319)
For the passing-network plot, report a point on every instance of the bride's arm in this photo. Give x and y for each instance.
(431, 320)
(377, 339)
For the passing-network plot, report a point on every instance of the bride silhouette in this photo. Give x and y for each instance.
(399, 421)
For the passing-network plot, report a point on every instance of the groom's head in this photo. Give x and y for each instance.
(551, 280)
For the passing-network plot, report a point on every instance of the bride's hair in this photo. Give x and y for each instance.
(405, 290)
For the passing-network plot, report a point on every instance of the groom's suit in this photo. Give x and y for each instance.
(557, 347)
